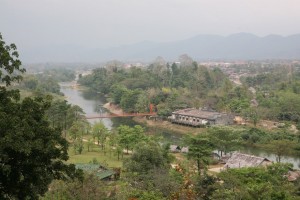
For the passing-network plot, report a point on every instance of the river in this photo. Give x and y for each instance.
(91, 103)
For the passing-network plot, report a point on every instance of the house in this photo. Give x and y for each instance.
(215, 156)
(200, 117)
(254, 103)
(175, 148)
(100, 171)
(184, 149)
(239, 160)
(239, 120)
(293, 175)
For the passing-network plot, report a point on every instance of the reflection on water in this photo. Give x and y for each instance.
(262, 153)
(117, 121)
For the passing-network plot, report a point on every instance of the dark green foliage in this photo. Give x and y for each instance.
(255, 183)
(62, 115)
(281, 148)
(100, 133)
(48, 85)
(31, 153)
(147, 172)
(117, 91)
(30, 82)
(10, 65)
(277, 89)
(128, 137)
(42, 85)
(147, 156)
(200, 150)
(90, 188)
(183, 83)
(205, 186)
(59, 74)
(225, 139)
(129, 100)
(255, 135)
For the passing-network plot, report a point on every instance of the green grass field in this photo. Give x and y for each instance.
(109, 158)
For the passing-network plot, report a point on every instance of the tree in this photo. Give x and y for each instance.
(100, 132)
(142, 104)
(90, 144)
(281, 148)
(255, 183)
(91, 188)
(225, 139)
(10, 63)
(200, 149)
(125, 136)
(117, 91)
(129, 100)
(75, 113)
(148, 171)
(75, 130)
(31, 153)
(252, 114)
(129, 137)
(30, 82)
(146, 156)
(78, 144)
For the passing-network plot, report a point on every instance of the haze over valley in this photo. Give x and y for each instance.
(241, 46)
(149, 100)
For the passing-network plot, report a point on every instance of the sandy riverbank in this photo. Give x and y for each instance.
(113, 108)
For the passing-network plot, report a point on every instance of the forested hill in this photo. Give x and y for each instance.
(201, 47)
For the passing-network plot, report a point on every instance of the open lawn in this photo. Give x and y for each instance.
(109, 158)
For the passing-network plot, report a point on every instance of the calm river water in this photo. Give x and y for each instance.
(91, 103)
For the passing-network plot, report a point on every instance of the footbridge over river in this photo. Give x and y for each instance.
(112, 115)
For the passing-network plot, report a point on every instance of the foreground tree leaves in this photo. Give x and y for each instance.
(10, 69)
(90, 188)
(31, 153)
(269, 182)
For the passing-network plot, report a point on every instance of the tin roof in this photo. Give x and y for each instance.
(238, 160)
(193, 112)
(97, 169)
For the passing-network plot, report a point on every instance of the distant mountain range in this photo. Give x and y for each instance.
(241, 46)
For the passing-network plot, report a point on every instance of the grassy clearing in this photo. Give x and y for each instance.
(109, 158)
(27, 93)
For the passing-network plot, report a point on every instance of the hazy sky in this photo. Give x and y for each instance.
(104, 23)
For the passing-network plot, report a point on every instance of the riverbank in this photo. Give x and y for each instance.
(114, 109)
(168, 126)
(154, 125)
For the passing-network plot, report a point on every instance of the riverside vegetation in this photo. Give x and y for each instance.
(36, 132)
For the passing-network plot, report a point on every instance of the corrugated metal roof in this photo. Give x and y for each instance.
(193, 112)
(174, 148)
(97, 169)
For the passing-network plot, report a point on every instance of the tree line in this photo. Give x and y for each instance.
(168, 87)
